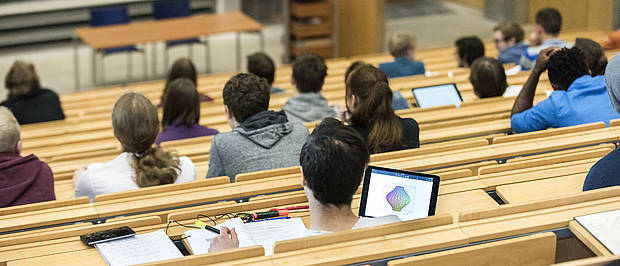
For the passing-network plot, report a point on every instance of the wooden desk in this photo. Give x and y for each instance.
(588, 239)
(541, 189)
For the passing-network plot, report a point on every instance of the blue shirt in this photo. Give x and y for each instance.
(585, 101)
(605, 173)
(398, 101)
(402, 67)
(512, 54)
(529, 56)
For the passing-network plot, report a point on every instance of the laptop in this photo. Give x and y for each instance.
(408, 195)
(437, 95)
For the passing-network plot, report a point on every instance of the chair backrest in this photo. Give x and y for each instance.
(163, 9)
(109, 15)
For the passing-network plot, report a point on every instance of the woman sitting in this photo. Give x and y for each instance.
(369, 104)
(141, 164)
(181, 113)
(184, 68)
(488, 77)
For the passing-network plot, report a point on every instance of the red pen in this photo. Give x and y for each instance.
(303, 207)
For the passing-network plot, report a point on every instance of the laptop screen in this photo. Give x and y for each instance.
(408, 195)
(439, 95)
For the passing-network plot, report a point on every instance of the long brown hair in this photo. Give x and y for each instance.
(180, 102)
(136, 125)
(373, 108)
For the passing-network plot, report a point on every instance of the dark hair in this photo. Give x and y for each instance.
(510, 30)
(565, 66)
(488, 77)
(261, 65)
(182, 68)
(135, 123)
(373, 108)
(596, 60)
(469, 49)
(245, 95)
(309, 71)
(333, 161)
(21, 79)
(550, 20)
(352, 67)
(180, 102)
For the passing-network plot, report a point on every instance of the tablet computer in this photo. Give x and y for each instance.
(408, 195)
(437, 95)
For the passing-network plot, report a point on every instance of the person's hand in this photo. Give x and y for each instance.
(543, 59)
(226, 240)
(77, 174)
(344, 114)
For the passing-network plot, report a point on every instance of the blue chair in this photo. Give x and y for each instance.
(112, 15)
(166, 9)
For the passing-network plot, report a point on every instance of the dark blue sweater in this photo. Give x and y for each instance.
(605, 173)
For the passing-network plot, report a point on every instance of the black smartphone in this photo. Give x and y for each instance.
(107, 235)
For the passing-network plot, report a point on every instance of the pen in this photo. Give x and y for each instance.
(303, 207)
(207, 227)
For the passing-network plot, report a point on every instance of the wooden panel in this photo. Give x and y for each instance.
(600, 14)
(588, 239)
(573, 15)
(357, 40)
(541, 189)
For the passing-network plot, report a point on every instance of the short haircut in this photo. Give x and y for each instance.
(510, 30)
(261, 65)
(21, 79)
(565, 66)
(469, 49)
(245, 95)
(9, 131)
(309, 71)
(550, 20)
(400, 43)
(183, 68)
(333, 161)
(596, 60)
(181, 102)
(488, 77)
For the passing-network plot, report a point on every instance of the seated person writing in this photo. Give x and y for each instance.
(488, 77)
(578, 98)
(333, 161)
(23, 180)
(260, 139)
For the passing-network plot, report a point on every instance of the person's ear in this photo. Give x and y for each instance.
(293, 80)
(512, 41)
(230, 117)
(18, 147)
(304, 183)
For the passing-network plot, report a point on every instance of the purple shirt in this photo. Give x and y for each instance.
(178, 130)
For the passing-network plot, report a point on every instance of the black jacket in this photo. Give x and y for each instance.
(38, 106)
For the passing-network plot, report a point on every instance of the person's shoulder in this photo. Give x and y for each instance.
(409, 122)
(610, 161)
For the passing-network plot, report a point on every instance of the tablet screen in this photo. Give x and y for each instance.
(408, 195)
(439, 95)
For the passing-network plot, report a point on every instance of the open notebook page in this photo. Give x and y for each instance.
(605, 226)
(139, 249)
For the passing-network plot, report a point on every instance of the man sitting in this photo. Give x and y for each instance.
(260, 139)
(333, 161)
(468, 49)
(402, 49)
(309, 71)
(260, 64)
(23, 180)
(546, 32)
(578, 98)
(508, 39)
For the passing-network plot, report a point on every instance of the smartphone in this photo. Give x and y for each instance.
(107, 235)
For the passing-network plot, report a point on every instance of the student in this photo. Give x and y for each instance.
(468, 49)
(488, 77)
(578, 98)
(401, 47)
(368, 98)
(26, 99)
(23, 180)
(141, 164)
(309, 71)
(184, 68)
(333, 161)
(261, 65)
(605, 173)
(546, 32)
(508, 38)
(181, 113)
(596, 60)
(260, 139)
(398, 100)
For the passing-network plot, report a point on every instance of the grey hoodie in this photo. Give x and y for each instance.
(264, 141)
(612, 76)
(308, 107)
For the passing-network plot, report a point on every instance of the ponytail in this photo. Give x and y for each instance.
(155, 167)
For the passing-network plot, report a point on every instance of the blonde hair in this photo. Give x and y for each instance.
(400, 43)
(9, 131)
(21, 79)
(136, 126)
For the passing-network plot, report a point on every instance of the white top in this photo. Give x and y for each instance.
(118, 175)
(363, 222)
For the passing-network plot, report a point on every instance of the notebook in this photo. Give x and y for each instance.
(605, 227)
(438, 95)
(139, 249)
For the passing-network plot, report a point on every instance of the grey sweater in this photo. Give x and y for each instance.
(264, 141)
(308, 107)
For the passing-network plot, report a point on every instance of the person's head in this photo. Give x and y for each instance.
(596, 60)
(548, 23)
(506, 35)
(369, 100)
(183, 68)
(352, 67)
(10, 138)
(181, 102)
(565, 66)
(261, 65)
(488, 77)
(245, 95)
(21, 79)
(333, 161)
(468, 49)
(309, 71)
(401, 44)
(136, 125)
(612, 78)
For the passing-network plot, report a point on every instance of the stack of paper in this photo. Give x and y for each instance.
(139, 249)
